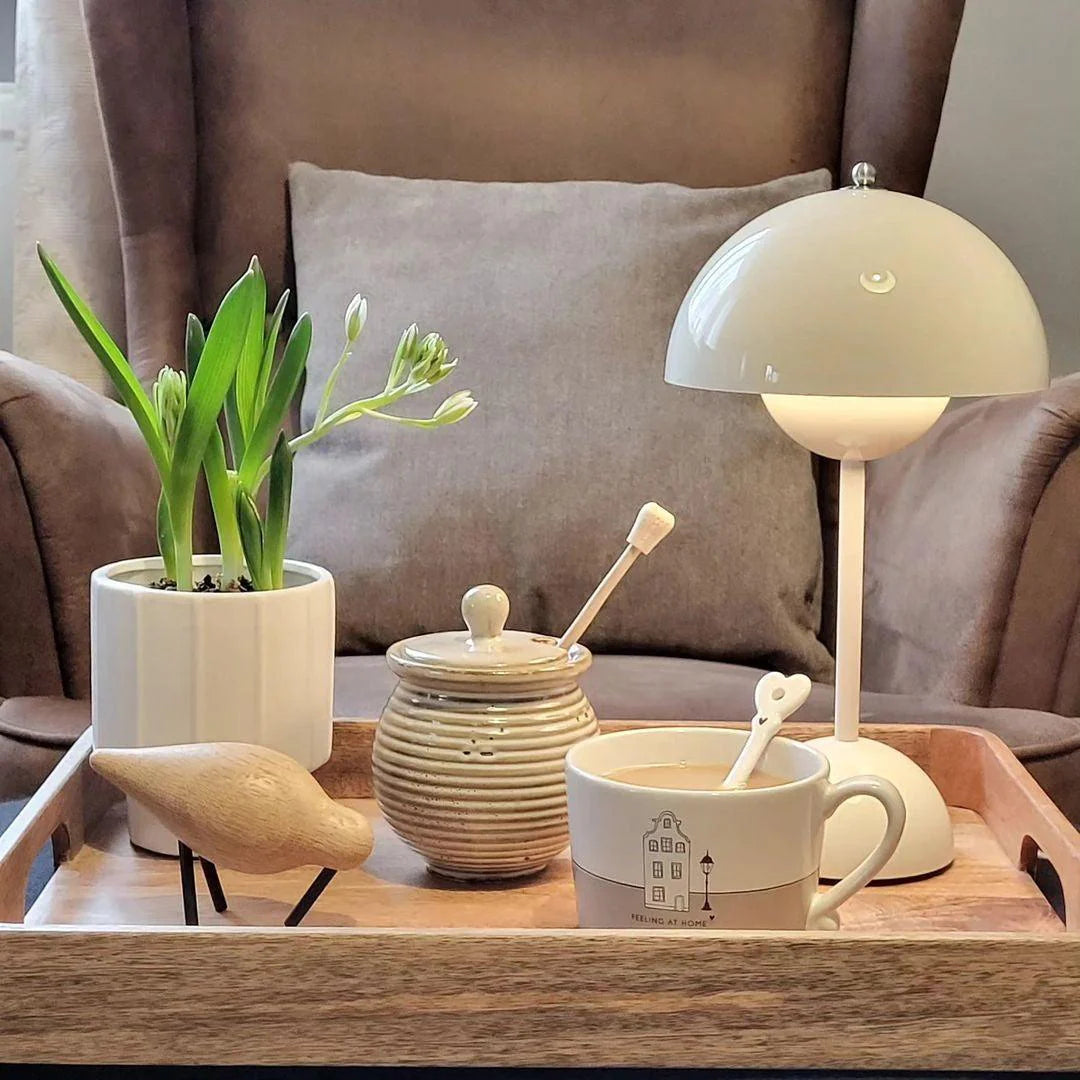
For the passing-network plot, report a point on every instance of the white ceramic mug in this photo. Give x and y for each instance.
(745, 859)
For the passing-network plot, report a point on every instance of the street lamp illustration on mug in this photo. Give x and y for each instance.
(706, 869)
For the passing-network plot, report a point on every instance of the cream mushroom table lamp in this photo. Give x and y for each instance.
(856, 314)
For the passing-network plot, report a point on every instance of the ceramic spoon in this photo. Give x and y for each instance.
(776, 697)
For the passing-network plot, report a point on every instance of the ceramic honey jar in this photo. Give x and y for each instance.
(469, 753)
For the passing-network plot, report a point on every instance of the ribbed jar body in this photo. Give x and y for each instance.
(469, 772)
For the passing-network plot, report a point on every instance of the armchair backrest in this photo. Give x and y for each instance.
(206, 102)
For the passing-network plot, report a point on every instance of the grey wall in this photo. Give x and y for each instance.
(1008, 153)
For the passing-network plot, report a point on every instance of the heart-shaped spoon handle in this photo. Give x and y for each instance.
(776, 697)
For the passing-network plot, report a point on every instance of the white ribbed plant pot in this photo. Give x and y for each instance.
(171, 667)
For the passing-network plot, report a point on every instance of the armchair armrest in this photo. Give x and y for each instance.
(77, 490)
(973, 556)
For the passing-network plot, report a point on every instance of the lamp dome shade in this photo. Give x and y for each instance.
(859, 292)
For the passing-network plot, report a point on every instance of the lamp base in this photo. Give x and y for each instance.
(927, 841)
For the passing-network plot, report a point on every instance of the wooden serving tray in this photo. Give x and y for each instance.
(967, 969)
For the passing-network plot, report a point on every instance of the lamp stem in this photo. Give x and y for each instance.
(849, 597)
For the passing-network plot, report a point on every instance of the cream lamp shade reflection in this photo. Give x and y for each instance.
(856, 314)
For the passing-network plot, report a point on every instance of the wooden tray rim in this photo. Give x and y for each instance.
(73, 796)
(569, 997)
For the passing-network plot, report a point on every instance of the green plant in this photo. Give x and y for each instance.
(234, 371)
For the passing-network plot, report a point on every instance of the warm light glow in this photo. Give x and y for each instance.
(855, 428)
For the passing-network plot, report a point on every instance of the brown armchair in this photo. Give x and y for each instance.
(971, 590)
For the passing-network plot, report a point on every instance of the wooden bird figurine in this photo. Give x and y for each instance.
(244, 807)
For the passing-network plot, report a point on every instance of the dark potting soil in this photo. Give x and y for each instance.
(206, 584)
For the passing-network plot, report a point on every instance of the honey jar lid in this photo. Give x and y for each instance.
(486, 646)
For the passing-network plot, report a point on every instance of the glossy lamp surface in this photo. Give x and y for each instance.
(859, 292)
(856, 315)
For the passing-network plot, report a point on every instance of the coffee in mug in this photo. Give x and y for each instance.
(656, 844)
(682, 776)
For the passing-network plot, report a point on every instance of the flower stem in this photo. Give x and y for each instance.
(166, 543)
(328, 390)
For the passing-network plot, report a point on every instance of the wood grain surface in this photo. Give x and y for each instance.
(986, 889)
(70, 798)
(976, 769)
(533, 997)
(109, 883)
(968, 969)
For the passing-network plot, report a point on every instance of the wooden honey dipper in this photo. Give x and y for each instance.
(244, 807)
(650, 526)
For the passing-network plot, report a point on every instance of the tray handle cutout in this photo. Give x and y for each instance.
(58, 813)
(1040, 868)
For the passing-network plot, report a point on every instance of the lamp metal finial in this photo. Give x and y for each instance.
(863, 175)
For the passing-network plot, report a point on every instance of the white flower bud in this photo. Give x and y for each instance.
(430, 354)
(404, 355)
(355, 317)
(456, 407)
(169, 396)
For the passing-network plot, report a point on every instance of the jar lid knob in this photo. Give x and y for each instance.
(485, 609)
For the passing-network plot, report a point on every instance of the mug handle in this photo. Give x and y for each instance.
(822, 914)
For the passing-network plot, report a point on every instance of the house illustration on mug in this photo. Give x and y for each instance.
(665, 854)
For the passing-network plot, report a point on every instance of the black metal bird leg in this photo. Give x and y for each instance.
(213, 883)
(187, 886)
(315, 889)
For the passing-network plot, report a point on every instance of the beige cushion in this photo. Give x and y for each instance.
(559, 298)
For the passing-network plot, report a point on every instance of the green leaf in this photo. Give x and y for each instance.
(233, 427)
(113, 361)
(283, 387)
(194, 342)
(215, 374)
(269, 352)
(251, 356)
(251, 536)
(206, 394)
(166, 542)
(279, 497)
